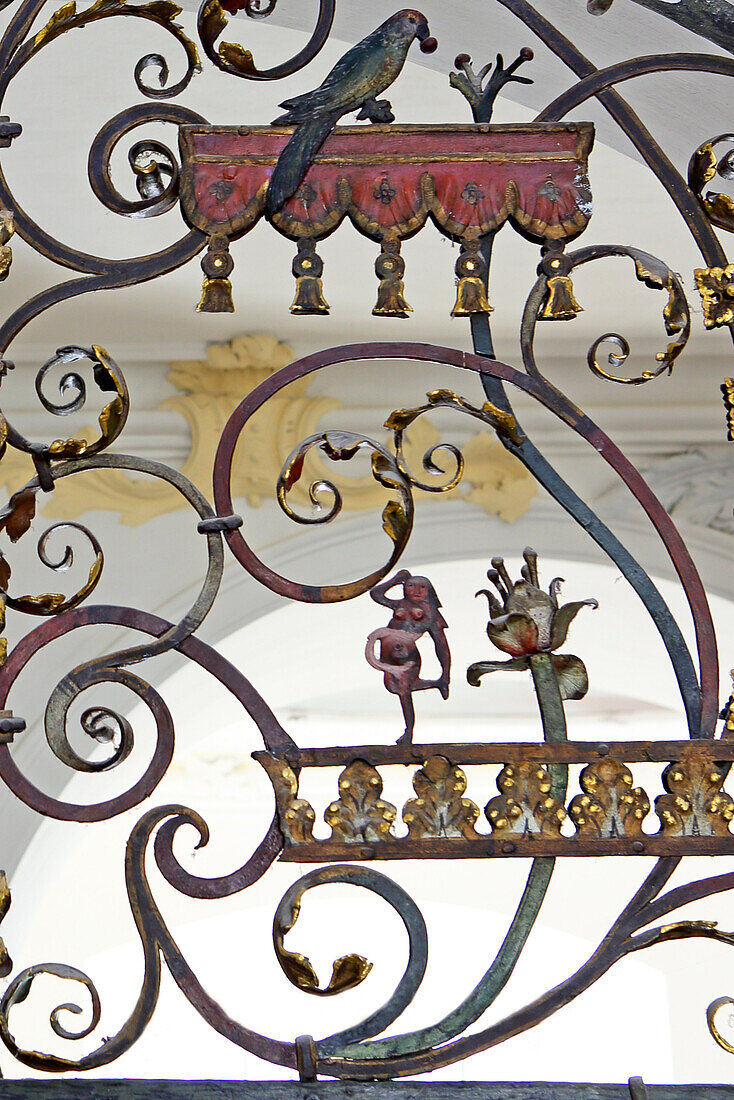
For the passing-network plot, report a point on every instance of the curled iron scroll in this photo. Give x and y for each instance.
(350, 970)
(274, 738)
(400, 421)
(338, 446)
(18, 991)
(704, 166)
(654, 273)
(54, 603)
(67, 18)
(72, 390)
(102, 724)
(234, 59)
(151, 161)
(112, 1046)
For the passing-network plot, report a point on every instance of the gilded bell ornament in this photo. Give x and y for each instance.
(471, 292)
(307, 269)
(390, 268)
(560, 303)
(217, 265)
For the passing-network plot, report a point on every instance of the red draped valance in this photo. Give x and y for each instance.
(389, 179)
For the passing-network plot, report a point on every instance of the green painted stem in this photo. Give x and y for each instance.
(552, 715)
(498, 974)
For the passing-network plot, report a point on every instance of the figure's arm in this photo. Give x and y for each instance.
(379, 592)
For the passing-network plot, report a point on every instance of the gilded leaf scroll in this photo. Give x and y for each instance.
(440, 809)
(359, 813)
(525, 805)
(609, 805)
(6, 964)
(296, 815)
(695, 803)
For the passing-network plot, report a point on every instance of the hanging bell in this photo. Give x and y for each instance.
(559, 303)
(216, 294)
(390, 268)
(471, 291)
(307, 269)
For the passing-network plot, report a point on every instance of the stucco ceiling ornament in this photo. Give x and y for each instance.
(695, 487)
(209, 389)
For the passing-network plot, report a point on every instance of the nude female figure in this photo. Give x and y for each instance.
(414, 614)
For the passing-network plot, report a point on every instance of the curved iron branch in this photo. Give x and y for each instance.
(590, 86)
(630, 124)
(234, 59)
(554, 402)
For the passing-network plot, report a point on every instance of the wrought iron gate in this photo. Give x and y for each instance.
(390, 181)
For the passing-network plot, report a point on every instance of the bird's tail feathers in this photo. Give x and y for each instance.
(294, 160)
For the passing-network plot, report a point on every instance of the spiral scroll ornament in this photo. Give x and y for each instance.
(650, 271)
(705, 165)
(235, 59)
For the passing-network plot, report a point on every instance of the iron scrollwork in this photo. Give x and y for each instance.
(535, 813)
(234, 59)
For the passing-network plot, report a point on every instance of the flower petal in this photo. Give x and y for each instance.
(481, 668)
(573, 680)
(563, 619)
(514, 634)
(554, 589)
(495, 607)
(527, 598)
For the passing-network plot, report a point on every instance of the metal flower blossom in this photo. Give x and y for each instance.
(526, 621)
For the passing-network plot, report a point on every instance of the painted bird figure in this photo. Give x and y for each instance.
(354, 83)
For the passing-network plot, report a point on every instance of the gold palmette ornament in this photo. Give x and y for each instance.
(716, 287)
(471, 292)
(307, 270)
(560, 302)
(216, 293)
(390, 268)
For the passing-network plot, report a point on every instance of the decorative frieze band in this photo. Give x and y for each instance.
(526, 818)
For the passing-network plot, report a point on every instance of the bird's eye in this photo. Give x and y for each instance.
(412, 19)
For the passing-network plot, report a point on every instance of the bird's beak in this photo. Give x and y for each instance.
(423, 34)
